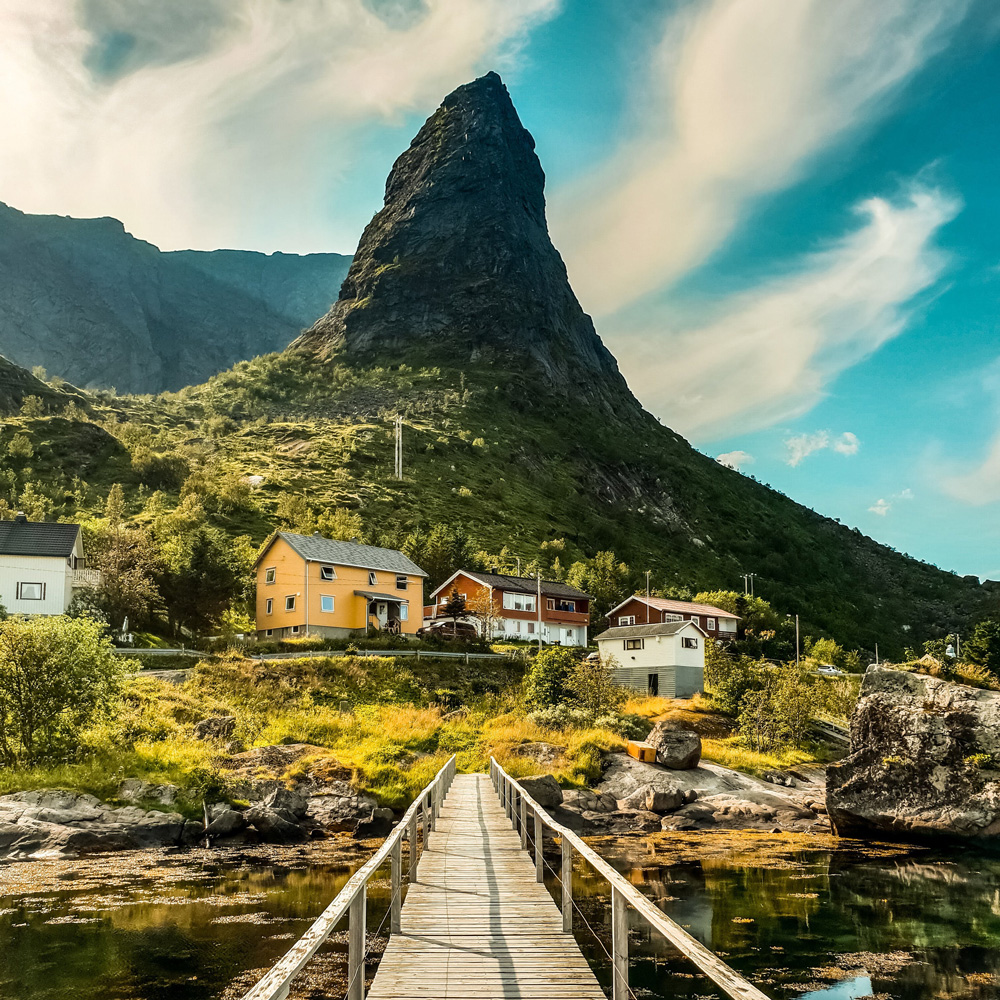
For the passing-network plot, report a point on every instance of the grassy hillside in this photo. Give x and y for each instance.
(496, 467)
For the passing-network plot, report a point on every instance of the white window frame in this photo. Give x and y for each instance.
(323, 598)
(269, 606)
(21, 596)
(572, 606)
(689, 642)
(513, 601)
(404, 612)
(672, 616)
(270, 631)
(372, 578)
(550, 604)
(402, 581)
(290, 602)
(327, 573)
(633, 643)
(531, 628)
(710, 623)
(269, 574)
(626, 619)
(294, 630)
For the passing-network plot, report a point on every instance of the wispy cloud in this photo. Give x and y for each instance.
(801, 446)
(883, 506)
(203, 121)
(771, 353)
(735, 459)
(744, 93)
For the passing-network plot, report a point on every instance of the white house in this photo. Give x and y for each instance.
(665, 658)
(41, 563)
(639, 610)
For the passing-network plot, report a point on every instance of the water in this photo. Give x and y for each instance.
(799, 916)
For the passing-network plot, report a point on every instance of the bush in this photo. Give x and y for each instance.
(546, 679)
(56, 675)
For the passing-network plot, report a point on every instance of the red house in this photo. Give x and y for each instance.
(639, 610)
(562, 617)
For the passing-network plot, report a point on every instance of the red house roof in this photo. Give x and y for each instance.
(677, 607)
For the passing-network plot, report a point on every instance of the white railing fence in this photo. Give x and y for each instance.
(351, 900)
(519, 806)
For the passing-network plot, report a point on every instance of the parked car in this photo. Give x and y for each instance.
(829, 670)
(448, 630)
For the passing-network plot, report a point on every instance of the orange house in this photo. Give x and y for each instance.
(308, 584)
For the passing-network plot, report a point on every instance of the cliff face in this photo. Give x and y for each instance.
(88, 302)
(459, 259)
(925, 760)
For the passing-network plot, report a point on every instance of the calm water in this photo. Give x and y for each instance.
(800, 917)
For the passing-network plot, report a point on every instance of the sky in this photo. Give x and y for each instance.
(782, 214)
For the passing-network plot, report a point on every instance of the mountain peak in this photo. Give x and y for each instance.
(459, 258)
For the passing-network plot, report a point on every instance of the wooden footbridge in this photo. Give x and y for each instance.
(477, 922)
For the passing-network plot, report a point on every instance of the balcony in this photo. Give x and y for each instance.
(84, 578)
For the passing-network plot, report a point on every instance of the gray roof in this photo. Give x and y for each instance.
(525, 584)
(37, 538)
(316, 548)
(635, 631)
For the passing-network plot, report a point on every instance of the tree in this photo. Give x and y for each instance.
(20, 447)
(454, 608)
(592, 685)
(983, 648)
(545, 680)
(604, 578)
(795, 700)
(32, 407)
(56, 675)
(483, 608)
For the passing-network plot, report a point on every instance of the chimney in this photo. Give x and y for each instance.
(20, 517)
(316, 534)
(355, 540)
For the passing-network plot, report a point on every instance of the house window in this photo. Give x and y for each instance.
(669, 616)
(626, 620)
(567, 606)
(519, 602)
(270, 631)
(517, 625)
(634, 643)
(402, 581)
(326, 602)
(689, 643)
(290, 603)
(269, 605)
(295, 630)
(404, 612)
(710, 623)
(327, 573)
(269, 574)
(31, 591)
(372, 578)
(550, 603)
(531, 628)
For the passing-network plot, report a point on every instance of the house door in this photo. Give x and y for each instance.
(654, 684)
(382, 613)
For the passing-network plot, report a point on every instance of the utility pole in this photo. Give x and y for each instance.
(518, 565)
(748, 584)
(647, 595)
(538, 609)
(876, 654)
(399, 448)
(796, 640)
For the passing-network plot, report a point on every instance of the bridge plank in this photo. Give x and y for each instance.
(476, 924)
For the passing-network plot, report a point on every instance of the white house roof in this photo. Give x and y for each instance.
(656, 628)
(677, 607)
(316, 548)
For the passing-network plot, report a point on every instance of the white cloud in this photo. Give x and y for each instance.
(735, 459)
(847, 444)
(207, 122)
(773, 350)
(801, 446)
(979, 485)
(740, 94)
(883, 506)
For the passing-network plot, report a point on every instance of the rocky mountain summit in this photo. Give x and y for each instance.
(459, 260)
(925, 760)
(92, 304)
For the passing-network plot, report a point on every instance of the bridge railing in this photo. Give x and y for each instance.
(351, 900)
(520, 806)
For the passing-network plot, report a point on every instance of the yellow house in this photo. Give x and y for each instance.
(308, 584)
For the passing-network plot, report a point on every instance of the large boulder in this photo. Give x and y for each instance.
(679, 749)
(544, 789)
(215, 727)
(925, 760)
(274, 826)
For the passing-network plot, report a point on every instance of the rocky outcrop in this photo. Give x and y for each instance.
(215, 727)
(459, 262)
(924, 761)
(678, 749)
(92, 304)
(544, 789)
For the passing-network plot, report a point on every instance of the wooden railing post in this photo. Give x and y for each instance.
(356, 946)
(524, 823)
(619, 946)
(396, 869)
(539, 845)
(567, 884)
(411, 835)
(425, 825)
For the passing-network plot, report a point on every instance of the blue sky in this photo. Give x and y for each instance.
(782, 215)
